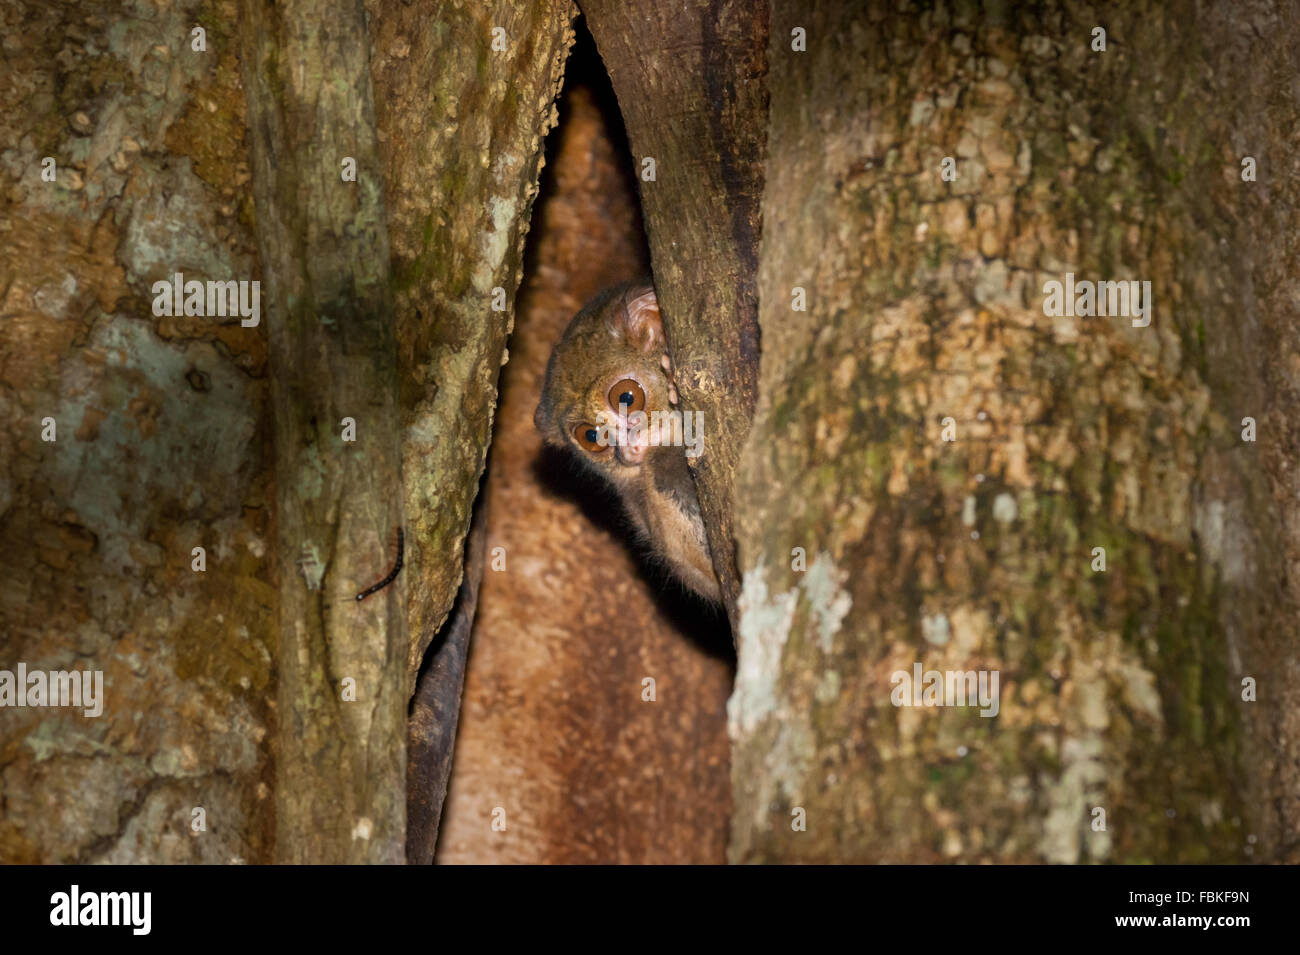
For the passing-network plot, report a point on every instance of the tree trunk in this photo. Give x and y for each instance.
(464, 127)
(324, 244)
(464, 98)
(1121, 690)
(162, 437)
(160, 444)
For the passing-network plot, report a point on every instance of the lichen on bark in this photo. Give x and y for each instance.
(1119, 690)
(462, 136)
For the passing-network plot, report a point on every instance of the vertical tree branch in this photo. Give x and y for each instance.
(340, 794)
(435, 710)
(465, 94)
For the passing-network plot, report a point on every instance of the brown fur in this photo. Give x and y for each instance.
(619, 335)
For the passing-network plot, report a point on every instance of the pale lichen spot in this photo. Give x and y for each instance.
(1082, 778)
(845, 371)
(829, 601)
(1225, 538)
(828, 687)
(922, 111)
(936, 629)
(765, 622)
(969, 628)
(362, 829)
(495, 243)
(1139, 690)
(505, 165)
(1004, 508)
(788, 763)
(1090, 698)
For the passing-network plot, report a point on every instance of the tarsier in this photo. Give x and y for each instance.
(612, 365)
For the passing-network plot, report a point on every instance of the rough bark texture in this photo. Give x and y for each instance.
(340, 780)
(160, 441)
(1254, 357)
(689, 79)
(1121, 689)
(162, 421)
(462, 146)
(555, 731)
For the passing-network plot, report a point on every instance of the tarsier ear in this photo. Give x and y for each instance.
(638, 319)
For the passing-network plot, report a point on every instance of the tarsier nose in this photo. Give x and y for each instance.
(629, 454)
(633, 450)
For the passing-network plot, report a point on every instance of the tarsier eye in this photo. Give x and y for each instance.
(627, 393)
(586, 435)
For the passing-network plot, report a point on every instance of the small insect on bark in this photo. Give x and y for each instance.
(392, 574)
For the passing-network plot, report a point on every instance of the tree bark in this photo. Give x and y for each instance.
(161, 443)
(1120, 690)
(464, 128)
(464, 98)
(689, 79)
(340, 782)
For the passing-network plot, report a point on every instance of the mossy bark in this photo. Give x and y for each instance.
(160, 445)
(464, 96)
(340, 772)
(1121, 690)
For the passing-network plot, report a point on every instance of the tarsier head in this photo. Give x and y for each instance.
(611, 368)
(610, 363)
